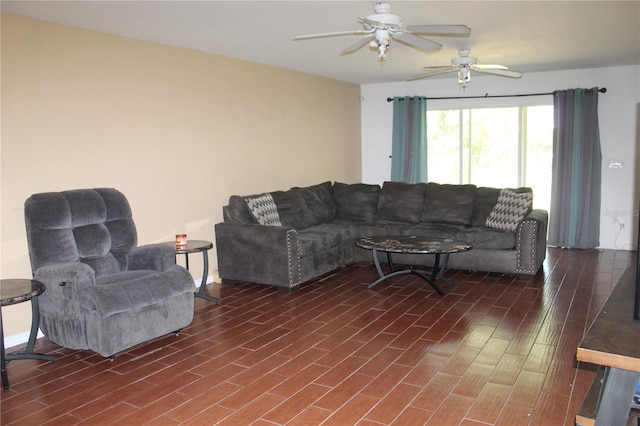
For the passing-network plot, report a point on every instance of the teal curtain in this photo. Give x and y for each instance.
(574, 214)
(409, 140)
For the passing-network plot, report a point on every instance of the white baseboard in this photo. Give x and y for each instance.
(18, 339)
(22, 338)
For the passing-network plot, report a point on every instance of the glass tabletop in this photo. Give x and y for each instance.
(193, 246)
(413, 244)
(19, 290)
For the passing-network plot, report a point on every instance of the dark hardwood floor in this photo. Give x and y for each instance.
(494, 350)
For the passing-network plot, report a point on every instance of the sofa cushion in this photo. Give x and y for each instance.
(358, 201)
(292, 209)
(445, 203)
(264, 209)
(238, 211)
(510, 210)
(401, 202)
(486, 199)
(319, 201)
(482, 237)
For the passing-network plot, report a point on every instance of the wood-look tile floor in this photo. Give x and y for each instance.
(494, 350)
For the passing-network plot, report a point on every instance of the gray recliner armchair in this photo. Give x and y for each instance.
(104, 293)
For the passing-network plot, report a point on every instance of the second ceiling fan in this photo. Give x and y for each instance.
(464, 64)
(379, 28)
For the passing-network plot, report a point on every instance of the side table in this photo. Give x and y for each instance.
(196, 246)
(14, 291)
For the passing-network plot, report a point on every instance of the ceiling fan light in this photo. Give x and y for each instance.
(464, 76)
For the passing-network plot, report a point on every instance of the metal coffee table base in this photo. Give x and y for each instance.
(429, 276)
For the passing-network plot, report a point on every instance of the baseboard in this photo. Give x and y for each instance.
(22, 338)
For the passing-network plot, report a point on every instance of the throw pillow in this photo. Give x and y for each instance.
(510, 210)
(264, 210)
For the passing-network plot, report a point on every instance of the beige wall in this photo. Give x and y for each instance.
(177, 131)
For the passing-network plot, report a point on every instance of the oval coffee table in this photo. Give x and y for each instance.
(415, 245)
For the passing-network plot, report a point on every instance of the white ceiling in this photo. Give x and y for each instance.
(526, 36)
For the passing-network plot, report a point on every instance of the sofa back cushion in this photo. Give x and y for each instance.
(237, 210)
(401, 202)
(319, 201)
(445, 203)
(298, 207)
(293, 210)
(486, 199)
(358, 201)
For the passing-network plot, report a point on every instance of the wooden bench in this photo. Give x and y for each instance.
(613, 341)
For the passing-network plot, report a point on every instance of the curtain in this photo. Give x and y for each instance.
(574, 214)
(409, 140)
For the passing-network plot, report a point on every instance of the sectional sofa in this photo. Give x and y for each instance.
(286, 238)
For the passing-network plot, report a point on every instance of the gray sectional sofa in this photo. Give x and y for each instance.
(286, 238)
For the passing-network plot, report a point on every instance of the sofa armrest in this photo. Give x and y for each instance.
(156, 257)
(258, 253)
(531, 241)
(63, 282)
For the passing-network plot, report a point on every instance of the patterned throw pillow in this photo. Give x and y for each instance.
(264, 210)
(511, 208)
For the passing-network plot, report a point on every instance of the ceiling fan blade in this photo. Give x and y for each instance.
(489, 66)
(333, 34)
(433, 71)
(388, 24)
(417, 42)
(445, 30)
(500, 72)
(357, 45)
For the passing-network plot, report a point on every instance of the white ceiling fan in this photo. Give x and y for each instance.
(464, 64)
(381, 27)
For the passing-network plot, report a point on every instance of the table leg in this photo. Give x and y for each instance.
(390, 261)
(616, 396)
(3, 365)
(376, 262)
(443, 268)
(33, 334)
(422, 274)
(435, 273)
(200, 293)
(29, 353)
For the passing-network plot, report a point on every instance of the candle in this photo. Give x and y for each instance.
(181, 240)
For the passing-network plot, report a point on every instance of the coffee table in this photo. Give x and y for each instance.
(414, 245)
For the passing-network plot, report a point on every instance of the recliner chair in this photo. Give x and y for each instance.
(103, 293)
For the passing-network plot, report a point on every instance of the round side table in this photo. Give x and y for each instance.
(198, 246)
(14, 291)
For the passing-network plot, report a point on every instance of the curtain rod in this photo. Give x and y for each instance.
(601, 90)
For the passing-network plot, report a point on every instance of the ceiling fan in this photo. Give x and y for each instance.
(381, 27)
(464, 64)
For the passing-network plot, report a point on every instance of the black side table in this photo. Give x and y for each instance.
(196, 246)
(14, 291)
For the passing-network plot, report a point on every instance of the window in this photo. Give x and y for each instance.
(496, 147)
